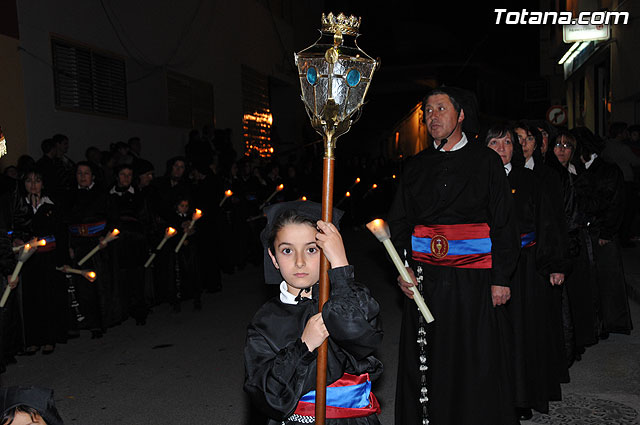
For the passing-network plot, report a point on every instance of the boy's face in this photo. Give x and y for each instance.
(183, 207)
(297, 256)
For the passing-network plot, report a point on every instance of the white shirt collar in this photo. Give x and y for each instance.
(463, 141)
(530, 163)
(572, 169)
(589, 162)
(285, 296)
(88, 187)
(114, 191)
(43, 200)
(507, 168)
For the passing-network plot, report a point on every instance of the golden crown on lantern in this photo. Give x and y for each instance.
(349, 25)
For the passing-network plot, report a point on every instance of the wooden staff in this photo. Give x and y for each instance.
(111, 236)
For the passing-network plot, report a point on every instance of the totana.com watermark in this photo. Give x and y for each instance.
(525, 17)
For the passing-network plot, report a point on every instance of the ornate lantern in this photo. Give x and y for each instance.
(334, 77)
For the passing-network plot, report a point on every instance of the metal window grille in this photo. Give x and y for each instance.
(88, 81)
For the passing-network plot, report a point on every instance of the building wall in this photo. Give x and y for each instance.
(209, 41)
(625, 63)
(12, 107)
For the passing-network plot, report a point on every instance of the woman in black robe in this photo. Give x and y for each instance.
(534, 306)
(87, 218)
(44, 293)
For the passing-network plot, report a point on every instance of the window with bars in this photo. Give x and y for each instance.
(257, 118)
(86, 80)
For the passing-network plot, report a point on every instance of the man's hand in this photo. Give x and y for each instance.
(315, 332)
(500, 294)
(556, 278)
(406, 286)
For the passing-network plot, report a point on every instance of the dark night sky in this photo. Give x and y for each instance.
(446, 41)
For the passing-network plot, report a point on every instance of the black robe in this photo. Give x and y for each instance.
(535, 305)
(601, 198)
(279, 368)
(468, 377)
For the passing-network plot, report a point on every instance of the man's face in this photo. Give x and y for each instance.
(441, 117)
(178, 169)
(124, 177)
(63, 146)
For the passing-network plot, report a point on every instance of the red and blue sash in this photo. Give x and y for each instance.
(527, 239)
(348, 397)
(89, 229)
(453, 245)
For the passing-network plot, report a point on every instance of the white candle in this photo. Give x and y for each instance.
(195, 217)
(227, 194)
(168, 233)
(278, 189)
(27, 251)
(87, 274)
(111, 236)
(381, 231)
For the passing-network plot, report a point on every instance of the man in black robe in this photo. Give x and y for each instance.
(453, 216)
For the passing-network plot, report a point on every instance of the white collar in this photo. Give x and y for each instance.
(589, 162)
(88, 187)
(572, 169)
(114, 191)
(459, 145)
(507, 168)
(285, 296)
(530, 163)
(43, 200)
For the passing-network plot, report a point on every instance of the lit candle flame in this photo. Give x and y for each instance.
(357, 179)
(228, 193)
(374, 186)
(393, 177)
(115, 232)
(304, 198)
(197, 214)
(347, 194)
(170, 231)
(379, 229)
(42, 242)
(27, 247)
(280, 187)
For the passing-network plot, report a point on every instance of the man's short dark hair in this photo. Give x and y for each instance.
(47, 145)
(438, 90)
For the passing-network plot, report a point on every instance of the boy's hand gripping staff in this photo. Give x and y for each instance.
(380, 229)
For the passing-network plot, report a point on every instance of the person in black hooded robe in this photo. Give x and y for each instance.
(280, 354)
(601, 201)
(535, 305)
(455, 370)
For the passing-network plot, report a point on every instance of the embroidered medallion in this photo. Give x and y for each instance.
(439, 246)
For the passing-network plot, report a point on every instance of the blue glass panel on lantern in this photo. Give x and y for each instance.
(312, 76)
(353, 78)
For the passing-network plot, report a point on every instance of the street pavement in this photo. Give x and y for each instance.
(187, 368)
